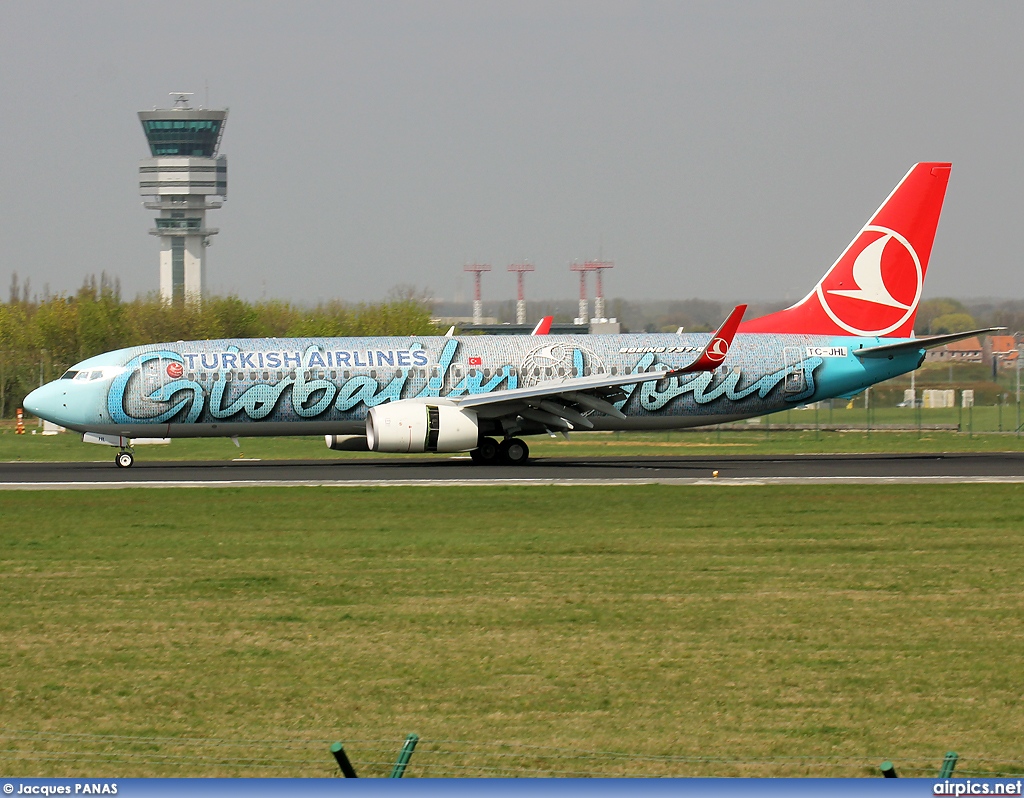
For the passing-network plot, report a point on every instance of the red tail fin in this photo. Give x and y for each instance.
(875, 286)
(543, 326)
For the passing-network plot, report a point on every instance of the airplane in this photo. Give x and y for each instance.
(484, 394)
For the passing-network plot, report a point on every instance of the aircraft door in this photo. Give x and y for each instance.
(152, 375)
(793, 357)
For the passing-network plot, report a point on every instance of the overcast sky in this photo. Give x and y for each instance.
(715, 150)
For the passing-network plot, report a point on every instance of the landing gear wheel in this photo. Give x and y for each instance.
(124, 460)
(513, 451)
(486, 453)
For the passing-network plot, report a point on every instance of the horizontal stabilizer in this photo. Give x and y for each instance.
(920, 344)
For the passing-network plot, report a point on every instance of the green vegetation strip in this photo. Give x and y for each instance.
(754, 631)
(755, 440)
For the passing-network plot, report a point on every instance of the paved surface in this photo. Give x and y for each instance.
(783, 469)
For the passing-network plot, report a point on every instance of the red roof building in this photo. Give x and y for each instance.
(969, 350)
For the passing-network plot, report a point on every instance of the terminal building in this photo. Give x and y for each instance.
(184, 178)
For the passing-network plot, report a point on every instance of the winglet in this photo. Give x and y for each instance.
(543, 326)
(717, 348)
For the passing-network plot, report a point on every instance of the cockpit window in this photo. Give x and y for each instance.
(94, 374)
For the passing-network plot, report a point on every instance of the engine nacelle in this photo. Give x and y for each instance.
(418, 426)
(347, 443)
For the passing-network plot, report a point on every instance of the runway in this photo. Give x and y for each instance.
(439, 471)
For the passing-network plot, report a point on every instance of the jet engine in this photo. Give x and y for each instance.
(347, 443)
(417, 426)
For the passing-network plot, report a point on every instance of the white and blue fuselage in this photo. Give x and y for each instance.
(301, 386)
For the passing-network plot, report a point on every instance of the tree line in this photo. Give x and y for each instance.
(41, 337)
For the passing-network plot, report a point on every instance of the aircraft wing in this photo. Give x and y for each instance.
(563, 404)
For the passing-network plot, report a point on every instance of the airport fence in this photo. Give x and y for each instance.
(37, 753)
(841, 415)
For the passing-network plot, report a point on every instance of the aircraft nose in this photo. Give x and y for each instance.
(32, 402)
(43, 402)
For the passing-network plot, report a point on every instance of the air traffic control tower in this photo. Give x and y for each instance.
(183, 178)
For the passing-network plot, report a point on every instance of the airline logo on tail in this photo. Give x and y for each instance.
(875, 286)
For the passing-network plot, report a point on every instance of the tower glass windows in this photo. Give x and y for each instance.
(183, 137)
(178, 224)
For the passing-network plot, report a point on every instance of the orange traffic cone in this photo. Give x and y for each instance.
(20, 428)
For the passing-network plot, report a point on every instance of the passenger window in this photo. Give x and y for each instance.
(253, 375)
(266, 375)
(291, 374)
(215, 377)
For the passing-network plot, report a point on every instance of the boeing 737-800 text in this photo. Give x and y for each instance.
(482, 394)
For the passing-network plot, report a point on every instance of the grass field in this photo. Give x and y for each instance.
(680, 631)
(772, 435)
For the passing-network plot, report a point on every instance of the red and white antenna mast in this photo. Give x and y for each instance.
(478, 304)
(584, 311)
(598, 267)
(521, 269)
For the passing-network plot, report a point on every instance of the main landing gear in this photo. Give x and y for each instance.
(124, 459)
(511, 451)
